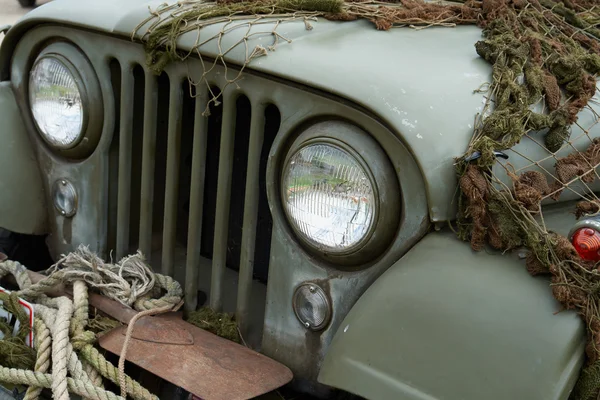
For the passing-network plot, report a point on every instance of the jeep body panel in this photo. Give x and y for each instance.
(21, 183)
(423, 330)
(420, 82)
(423, 83)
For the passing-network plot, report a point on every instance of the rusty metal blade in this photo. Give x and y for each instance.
(212, 368)
(161, 330)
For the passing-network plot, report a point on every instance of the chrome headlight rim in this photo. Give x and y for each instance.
(84, 75)
(382, 177)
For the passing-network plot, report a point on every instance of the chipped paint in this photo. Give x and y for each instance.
(405, 122)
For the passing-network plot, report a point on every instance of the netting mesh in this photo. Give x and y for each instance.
(545, 58)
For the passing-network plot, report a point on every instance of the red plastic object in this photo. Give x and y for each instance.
(587, 243)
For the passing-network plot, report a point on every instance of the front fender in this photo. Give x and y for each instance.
(447, 323)
(22, 201)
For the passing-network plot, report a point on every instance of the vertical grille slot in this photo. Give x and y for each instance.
(264, 223)
(160, 160)
(113, 158)
(238, 180)
(137, 143)
(125, 148)
(185, 166)
(215, 120)
(257, 222)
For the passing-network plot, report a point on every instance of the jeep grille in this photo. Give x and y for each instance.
(188, 190)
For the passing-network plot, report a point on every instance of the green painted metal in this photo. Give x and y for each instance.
(148, 161)
(89, 175)
(440, 323)
(125, 146)
(447, 323)
(23, 208)
(172, 179)
(419, 82)
(199, 152)
(217, 291)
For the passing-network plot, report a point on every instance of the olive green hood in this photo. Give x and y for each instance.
(420, 83)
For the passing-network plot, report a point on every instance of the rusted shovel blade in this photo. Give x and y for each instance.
(211, 368)
(161, 330)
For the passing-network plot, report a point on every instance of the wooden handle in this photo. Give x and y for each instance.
(110, 307)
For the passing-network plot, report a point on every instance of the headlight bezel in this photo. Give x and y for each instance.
(383, 179)
(74, 60)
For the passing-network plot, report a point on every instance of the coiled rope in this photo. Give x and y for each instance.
(66, 359)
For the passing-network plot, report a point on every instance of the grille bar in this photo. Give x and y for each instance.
(172, 181)
(257, 128)
(223, 202)
(194, 242)
(125, 140)
(148, 162)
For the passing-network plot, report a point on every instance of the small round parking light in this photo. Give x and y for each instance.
(64, 197)
(312, 307)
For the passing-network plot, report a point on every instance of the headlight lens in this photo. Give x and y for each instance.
(328, 197)
(56, 103)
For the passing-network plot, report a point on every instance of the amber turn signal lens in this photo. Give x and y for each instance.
(587, 243)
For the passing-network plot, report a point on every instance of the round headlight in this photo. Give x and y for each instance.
(340, 194)
(329, 197)
(66, 101)
(56, 102)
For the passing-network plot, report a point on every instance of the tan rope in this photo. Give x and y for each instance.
(128, 334)
(43, 344)
(60, 326)
(31, 378)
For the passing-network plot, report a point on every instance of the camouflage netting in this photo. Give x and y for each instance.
(545, 58)
(14, 353)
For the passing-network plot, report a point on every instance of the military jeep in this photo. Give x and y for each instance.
(312, 198)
